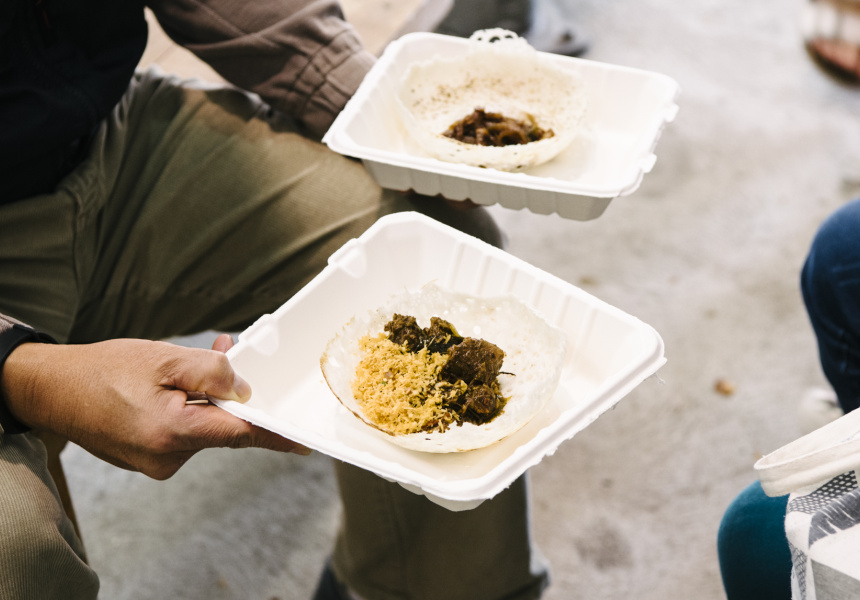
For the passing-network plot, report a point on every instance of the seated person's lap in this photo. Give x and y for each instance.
(195, 210)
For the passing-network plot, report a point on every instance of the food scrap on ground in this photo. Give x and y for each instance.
(724, 387)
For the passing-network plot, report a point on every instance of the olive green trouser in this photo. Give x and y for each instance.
(197, 210)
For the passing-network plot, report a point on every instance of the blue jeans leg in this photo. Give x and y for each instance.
(755, 561)
(830, 282)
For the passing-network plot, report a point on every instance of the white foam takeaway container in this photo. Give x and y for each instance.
(609, 354)
(627, 110)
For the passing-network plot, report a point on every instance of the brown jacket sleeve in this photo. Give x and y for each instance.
(300, 56)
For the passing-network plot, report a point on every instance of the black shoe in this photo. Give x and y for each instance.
(544, 23)
(329, 588)
(553, 29)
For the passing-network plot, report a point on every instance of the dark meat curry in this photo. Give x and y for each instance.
(472, 367)
(483, 128)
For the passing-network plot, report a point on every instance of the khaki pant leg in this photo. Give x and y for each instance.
(396, 545)
(217, 213)
(41, 558)
(37, 262)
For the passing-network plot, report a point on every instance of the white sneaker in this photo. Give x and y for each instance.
(817, 408)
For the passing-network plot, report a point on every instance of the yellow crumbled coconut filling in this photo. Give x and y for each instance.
(400, 390)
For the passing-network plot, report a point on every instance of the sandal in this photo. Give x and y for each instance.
(831, 36)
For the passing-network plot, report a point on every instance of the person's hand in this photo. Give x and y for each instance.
(125, 401)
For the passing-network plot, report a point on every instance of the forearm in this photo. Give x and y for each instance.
(301, 56)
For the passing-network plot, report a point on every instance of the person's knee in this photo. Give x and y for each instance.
(833, 248)
(753, 553)
(37, 560)
(833, 253)
(27, 536)
(41, 556)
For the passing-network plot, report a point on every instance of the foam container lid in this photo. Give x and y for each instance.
(609, 354)
(627, 110)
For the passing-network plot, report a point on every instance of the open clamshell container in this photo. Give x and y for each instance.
(608, 354)
(626, 112)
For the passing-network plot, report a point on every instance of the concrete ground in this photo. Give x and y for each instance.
(707, 251)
